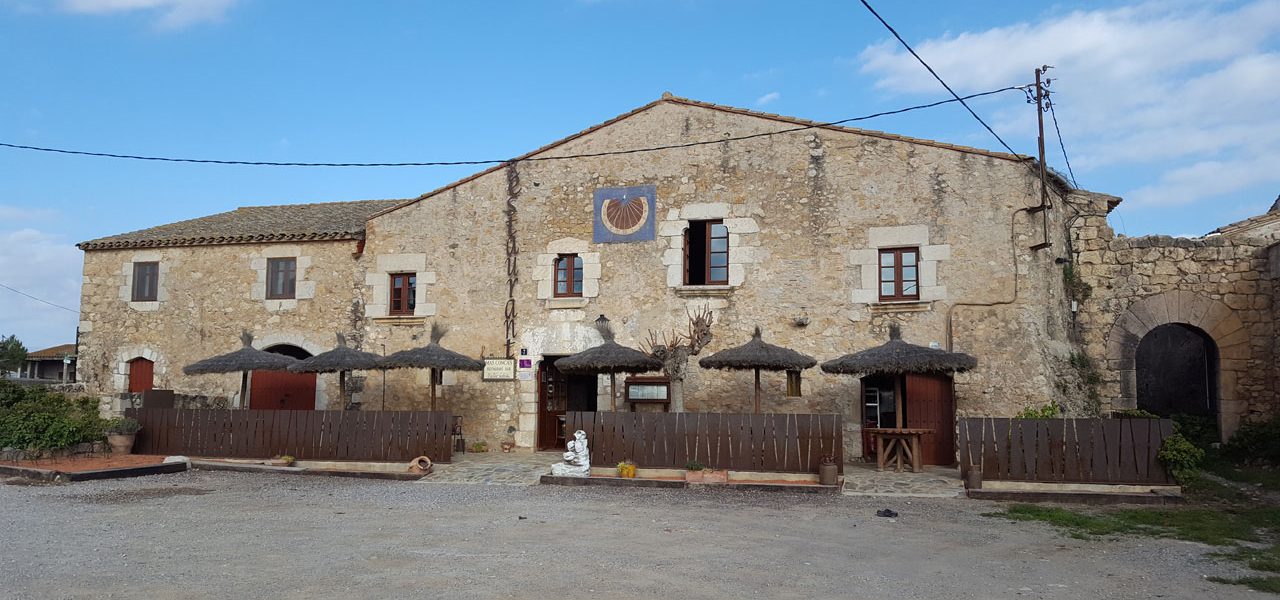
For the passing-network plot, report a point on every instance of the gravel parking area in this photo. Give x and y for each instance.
(238, 535)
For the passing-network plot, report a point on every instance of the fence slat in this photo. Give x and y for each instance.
(1067, 450)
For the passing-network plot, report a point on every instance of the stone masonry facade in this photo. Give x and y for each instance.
(806, 214)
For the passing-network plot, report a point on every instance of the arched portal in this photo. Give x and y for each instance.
(1214, 347)
(1177, 373)
(282, 390)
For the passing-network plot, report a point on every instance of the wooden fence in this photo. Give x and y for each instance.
(303, 434)
(1065, 450)
(792, 443)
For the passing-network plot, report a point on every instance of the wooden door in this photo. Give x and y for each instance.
(930, 405)
(282, 390)
(553, 402)
(141, 375)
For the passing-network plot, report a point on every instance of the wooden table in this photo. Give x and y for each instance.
(898, 445)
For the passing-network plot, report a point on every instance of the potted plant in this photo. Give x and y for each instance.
(480, 446)
(828, 470)
(693, 471)
(121, 432)
(715, 476)
(627, 469)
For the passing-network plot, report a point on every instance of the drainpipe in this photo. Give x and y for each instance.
(1013, 245)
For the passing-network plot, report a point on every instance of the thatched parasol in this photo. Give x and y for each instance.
(242, 361)
(896, 357)
(433, 357)
(758, 355)
(609, 357)
(340, 360)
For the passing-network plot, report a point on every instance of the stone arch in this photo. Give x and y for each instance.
(262, 342)
(120, 375)
(1214, 318)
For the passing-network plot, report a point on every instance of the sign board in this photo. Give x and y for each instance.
(499, 369)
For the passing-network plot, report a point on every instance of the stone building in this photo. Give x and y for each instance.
(823, 236)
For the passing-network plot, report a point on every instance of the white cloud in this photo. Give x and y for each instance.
(1187, 89)
(45, 266)
(171, 14)
(768, 98)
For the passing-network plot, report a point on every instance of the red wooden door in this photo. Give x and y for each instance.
(930, 405)
(283, 390)
(553, 402)
(141, 375)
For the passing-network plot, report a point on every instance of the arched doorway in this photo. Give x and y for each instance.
(282, 390)
(1177, 375)
(141, 375)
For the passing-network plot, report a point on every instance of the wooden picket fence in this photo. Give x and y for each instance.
(303, 434)
(790, 443)
(1119, 451)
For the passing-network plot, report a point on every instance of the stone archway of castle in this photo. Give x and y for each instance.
(1213, 317)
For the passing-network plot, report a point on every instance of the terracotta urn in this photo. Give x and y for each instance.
(121, 443)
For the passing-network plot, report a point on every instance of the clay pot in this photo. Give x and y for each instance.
(121, 443)
(828, 474)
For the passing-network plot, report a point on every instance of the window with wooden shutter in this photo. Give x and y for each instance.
(706, 253)
(899, 274)
(404, 289)
(568, 276)
(146, 281)
(281, 278)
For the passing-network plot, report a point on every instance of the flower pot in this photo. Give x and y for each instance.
(828, 474)
(627, 471)
(121, 443)
(715, 476)
(693, 476)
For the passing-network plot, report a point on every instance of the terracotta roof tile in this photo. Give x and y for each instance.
(55, 352)
(254, 224)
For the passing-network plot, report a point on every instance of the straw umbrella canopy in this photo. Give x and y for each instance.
(758, 355)
(433, 357)
(609, 357)
(896, 357)
(340, 360)
(241, 361)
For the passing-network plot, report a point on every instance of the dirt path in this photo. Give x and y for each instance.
(223, 535)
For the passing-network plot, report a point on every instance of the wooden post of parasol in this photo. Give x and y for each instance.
(432, 373)
(897, 397)
(757, 391)
(613, 393)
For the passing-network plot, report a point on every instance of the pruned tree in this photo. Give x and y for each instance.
(12, 355)
(675, 348)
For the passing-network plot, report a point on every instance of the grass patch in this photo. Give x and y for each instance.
(1262, 584)
(1263, 477)
(1207, 491)
(1217, 527)
(1258, 559)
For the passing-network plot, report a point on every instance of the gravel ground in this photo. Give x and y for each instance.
(237, 535)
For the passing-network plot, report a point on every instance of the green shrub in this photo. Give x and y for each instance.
(1048, 411)
(694, 465)
(1200, 430)
(1133, 413)
(35, 418)
(1180, 457)
(1256, 442)
(121, 426)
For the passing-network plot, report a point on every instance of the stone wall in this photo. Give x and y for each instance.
(1221, 285)
(806, 209)
(207, 295)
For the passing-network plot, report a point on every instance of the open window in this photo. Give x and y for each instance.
(706, 253)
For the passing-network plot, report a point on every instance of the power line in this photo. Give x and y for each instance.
(1062, 144)
(936, 76)
(510, 160)
(16, 291)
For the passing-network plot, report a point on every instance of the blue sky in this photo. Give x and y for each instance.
(1168, 104)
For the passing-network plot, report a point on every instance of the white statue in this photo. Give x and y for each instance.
(577, 460)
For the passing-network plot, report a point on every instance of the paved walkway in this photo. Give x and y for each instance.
(494, 468)
(862, 479)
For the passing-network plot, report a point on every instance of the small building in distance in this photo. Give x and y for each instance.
(54, 365)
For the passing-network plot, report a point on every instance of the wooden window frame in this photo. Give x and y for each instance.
(898, 281)
(273, 269)
(708, 226)
(408, 288)
(136, 294)
(572, 276)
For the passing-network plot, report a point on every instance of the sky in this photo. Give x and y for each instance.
(1170, 105)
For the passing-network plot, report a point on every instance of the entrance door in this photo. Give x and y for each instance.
(141, 375)
(558, 393)
(930, 405)
(282, 390)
